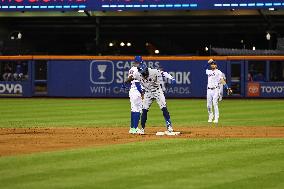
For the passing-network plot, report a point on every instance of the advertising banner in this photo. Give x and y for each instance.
(104, 78)
(15, 89)
(265, 89)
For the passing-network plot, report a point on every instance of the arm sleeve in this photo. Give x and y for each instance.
(138, 86)
(167, 75)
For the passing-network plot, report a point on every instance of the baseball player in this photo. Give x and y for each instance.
(215, 78)
(135, 96)
(150, 80)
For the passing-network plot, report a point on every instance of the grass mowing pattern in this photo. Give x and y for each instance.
(116, 113)
(176, 163)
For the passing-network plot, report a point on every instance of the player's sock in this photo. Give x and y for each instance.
(167, 116)
(132, 120)
(136, 119)
(144, 118)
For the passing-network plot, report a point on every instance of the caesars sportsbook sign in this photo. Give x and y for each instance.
(104, 78)
(107, 76)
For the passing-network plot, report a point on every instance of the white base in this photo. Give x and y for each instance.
(167, 133)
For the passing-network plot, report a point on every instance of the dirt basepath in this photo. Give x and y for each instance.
(29, 140)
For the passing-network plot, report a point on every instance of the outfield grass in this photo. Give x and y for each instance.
(116, 113)
(175, 163)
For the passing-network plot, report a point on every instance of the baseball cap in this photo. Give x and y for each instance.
(138, 59)
(211, 61)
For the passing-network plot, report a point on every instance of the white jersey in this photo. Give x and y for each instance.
(152, 82)
(214, 78)
(132, 72)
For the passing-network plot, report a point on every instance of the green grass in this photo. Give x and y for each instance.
(176, 163)
(116, 113)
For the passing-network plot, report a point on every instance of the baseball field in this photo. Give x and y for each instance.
(84, 143)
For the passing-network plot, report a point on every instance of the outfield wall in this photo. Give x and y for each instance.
(102, 76)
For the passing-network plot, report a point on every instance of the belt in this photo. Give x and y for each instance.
(212, 88)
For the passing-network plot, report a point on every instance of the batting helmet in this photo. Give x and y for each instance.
(138, 59)
(142, 68)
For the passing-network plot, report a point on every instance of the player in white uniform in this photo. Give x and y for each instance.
(215, 78)
(135, 97)
(150, 80)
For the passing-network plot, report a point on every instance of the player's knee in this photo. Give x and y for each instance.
(215, 103)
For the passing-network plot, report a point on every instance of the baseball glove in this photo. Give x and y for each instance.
(229, 91)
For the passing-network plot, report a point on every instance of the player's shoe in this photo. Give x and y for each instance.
(215, 121)
(170, 128)
(136, 131)
(142, 131)
(132, 131)
(210, 118)
(139, 131)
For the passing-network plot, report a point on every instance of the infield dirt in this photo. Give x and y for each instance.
(14, 141)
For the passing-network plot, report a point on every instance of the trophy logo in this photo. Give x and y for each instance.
(101, 72)
(102, 68)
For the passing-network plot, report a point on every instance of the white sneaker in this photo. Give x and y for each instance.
(138, 131)
(210, 118)
(215, 121)
(142, 131)
(132, 131)
(170, 128)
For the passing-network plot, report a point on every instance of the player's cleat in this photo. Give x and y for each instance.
(139, 132)
(142, 131)
(215, 121)
(136, 131)
(132, 131)
(170, 128)
(210, 118)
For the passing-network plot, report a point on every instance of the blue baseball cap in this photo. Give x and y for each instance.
(138, 59)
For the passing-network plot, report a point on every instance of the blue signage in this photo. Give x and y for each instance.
(104, 78)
